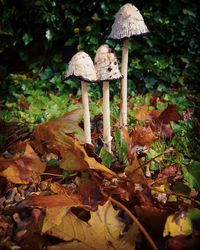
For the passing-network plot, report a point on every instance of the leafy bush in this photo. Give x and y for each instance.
(43, 35)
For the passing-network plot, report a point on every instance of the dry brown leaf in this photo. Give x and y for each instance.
(23, 168)
(142, 136)
(135, 172)
(93, 164)
(60, 128)
(86, 191)
(102, 231)
(53, 217)
(73, 160)
(144, 114)
(152, 216)
(52, 201)
(57, 137)
(169, 114)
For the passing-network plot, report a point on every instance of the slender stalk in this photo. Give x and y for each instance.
(106, 117)
(86, 112)
(124, 70)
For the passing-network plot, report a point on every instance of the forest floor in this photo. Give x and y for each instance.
(58, 193)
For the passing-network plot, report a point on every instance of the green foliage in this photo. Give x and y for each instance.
(120, 147)
(192, 174)
(42, 35)
(106, 157)
(185, 139)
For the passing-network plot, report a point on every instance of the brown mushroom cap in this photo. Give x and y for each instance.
(128, 22)
(81, 66)
(106, 64)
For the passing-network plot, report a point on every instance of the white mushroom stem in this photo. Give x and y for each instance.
(86, 112)
(106, 117)
(124, 70)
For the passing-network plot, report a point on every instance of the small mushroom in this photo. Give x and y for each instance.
(106, 66)
(128, 22)
(81, 67)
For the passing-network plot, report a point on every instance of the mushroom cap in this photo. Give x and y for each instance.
(106, 64)
(128, 22)
(81, 66)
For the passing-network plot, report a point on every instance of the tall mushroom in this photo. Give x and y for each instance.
(128, 22)
(81, 67)
(106, 66)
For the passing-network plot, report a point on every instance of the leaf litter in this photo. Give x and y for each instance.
(55, 193)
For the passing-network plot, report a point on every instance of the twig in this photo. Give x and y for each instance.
(147, 162)
(174, 193)
(148, 237)
(169, 150)
(119, 204)
(50, 174)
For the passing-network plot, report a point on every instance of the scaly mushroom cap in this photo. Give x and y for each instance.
(106, 64)
(128, 22)
(81, 66)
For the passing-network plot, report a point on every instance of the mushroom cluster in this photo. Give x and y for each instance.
(128, 22)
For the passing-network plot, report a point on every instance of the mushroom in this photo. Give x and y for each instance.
(81, 67)
(106, 66)
(128, 22)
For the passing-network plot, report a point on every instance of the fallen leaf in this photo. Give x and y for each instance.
(183, 242)
(53, 217)
(144, 114)
(90, 193)
(54, 200)
(142, 136)
(57, 137)
(153, 217)
(178, 225)
(73, 160)
(58, 129)
(22, 168)
(103, 231)
(173, 172)
(135, 173)
(168, 115)
(87, 192)
(92, 163)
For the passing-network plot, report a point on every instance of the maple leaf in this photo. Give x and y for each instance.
(87, 193)
(58, 129)
(78, 160)
(22, 168)
(57, 137)
(142, 136)
(168, 115)
(57, 213)
(102, 231)
(144, 114)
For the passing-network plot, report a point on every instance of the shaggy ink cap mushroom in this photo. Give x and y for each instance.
(106, 64)
(128, 22)
(81, 67)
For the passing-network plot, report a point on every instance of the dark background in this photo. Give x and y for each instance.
(35, 35)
